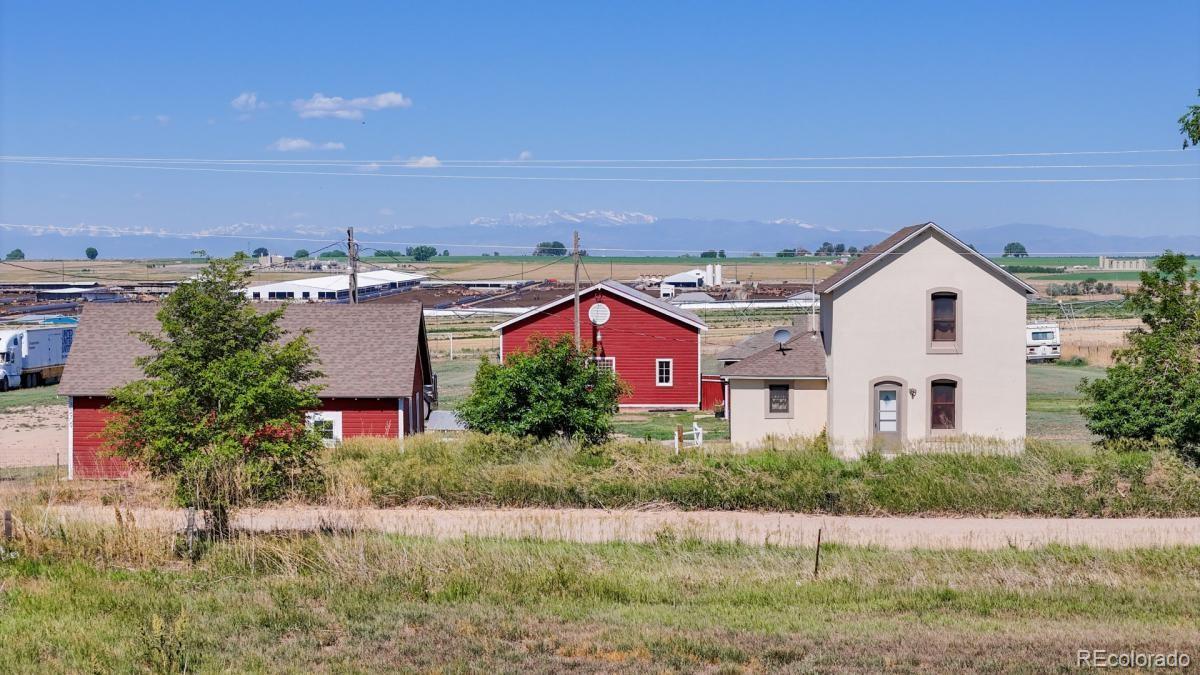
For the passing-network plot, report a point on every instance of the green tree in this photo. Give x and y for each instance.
(1152, 391)
(786, 253)
(91, 253)
(333, 254)
(300, 254)
(261, 252)
(550, 390)
(552, 248)
(423, 253)
(446, 252)
(710, 253)
(1189, 125)
(15, 254)
(1015, 249)
(221, 409)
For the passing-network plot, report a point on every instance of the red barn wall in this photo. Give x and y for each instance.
(360, 417)
(635, 336)
(366, 416)
(88, 417)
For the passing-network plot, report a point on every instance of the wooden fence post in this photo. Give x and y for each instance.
(8, 525)
(817, 563)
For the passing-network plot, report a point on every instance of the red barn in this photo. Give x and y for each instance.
(377, 382)
(652, 345)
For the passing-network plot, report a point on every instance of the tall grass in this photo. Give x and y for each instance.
(1046, 480)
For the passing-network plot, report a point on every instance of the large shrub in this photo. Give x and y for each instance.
(552, 389)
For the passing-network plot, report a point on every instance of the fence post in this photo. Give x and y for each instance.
(191, 532)
(678, 437)
(8, 525)
(817, 563)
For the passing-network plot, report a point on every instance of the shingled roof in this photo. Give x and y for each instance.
(866, 258)
(804, 357)
(365, 351)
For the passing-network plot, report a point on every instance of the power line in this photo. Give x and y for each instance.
(105, 230)
(626, 179)
(1065, 153)
(584, 167)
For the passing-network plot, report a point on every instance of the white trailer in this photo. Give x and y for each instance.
(1043, 342)
(34, 355)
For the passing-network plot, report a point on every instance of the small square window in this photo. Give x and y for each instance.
(779, 399)
(607, 364)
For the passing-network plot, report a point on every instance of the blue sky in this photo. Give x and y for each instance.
(610, 80)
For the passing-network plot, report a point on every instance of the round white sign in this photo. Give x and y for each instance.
(599, 313)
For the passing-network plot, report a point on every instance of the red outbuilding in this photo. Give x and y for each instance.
(375, 359)
(652, 345)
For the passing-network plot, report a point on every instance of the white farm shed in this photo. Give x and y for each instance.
(337, 286)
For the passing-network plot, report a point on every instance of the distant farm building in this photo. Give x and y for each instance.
(653, 346)
(337, 286)
(377, 375)
(691, 280)
(1138, 264)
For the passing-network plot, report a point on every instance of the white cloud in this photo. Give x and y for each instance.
(287, 144)
(321, 106)
(248, 102)
(386, 212)
(424, 162)
(369, 168)
(525, 156)
(163, 120)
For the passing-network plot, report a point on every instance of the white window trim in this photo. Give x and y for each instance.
(671, 366)
(334, 416)
(609, 359)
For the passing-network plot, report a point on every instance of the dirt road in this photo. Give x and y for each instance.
(783, 529)
(32, 436)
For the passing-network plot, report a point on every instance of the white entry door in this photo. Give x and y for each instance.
(887, 420)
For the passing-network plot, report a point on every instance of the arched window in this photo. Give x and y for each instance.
(944, 317)
(943, 406)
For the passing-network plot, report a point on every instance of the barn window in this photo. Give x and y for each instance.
(943, 405)
(327, 424)
(607, 364)
(664, 371)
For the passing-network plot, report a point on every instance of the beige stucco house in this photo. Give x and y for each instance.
(921, 345)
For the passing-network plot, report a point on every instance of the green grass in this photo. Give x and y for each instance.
(1045, 480)
(455, 379)
(118, 601)
(660, 426)
(32, 397)
(1052, 402)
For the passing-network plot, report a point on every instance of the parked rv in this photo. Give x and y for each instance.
(34, 355)
(1043, 342)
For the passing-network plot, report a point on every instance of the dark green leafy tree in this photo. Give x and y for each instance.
(91, 253)
(786, 253)
(446, 252)
(422, 253)
(300, 254)
(1015, 249)
(1152, 391)
(261, 252)
(220, 411)
(711, 253)
(333, 254)
(1189, 125)
(15, 254)
(550, 390)
(553, 248)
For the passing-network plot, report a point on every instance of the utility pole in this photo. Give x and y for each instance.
(575, 255)
(352, 249)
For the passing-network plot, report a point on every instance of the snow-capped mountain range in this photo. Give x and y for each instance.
(603, 232)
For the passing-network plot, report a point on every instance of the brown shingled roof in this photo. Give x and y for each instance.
(805, 357)
(366, 351)
(876, 250)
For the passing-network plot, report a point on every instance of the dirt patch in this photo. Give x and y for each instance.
(32, 436)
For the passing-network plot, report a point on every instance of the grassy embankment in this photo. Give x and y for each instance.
(121, 599)
(31, 398)
(1046, 480)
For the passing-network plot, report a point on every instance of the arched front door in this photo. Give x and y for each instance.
(887, 422)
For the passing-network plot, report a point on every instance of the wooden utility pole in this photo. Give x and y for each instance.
(575, 255)
(352, 249)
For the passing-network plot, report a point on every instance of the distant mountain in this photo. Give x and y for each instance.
(602, 232)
